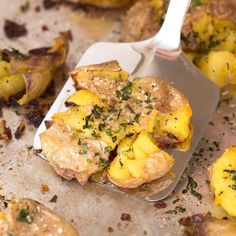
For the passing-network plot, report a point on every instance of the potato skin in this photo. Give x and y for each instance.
(223, 180)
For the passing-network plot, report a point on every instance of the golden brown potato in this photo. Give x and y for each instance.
(138, 161)
(142, 20)
(219, 66)
(27, 217)
(31, 73)
(110, 110)
(223, 180)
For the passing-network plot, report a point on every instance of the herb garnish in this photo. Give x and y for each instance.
(103, 162)
(124, 92)
(84, 149)
(108, 149)
(136, 118)
(114, 138)
(95, 135)
(192, 184)
(24, 215)
(233, 177)
(97, 111)
(121, 163)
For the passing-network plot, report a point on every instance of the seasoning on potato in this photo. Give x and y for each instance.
(108, 113)
(223, 180)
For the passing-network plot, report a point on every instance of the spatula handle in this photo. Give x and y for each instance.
(168, 38)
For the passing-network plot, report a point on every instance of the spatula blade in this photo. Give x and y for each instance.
(203, 95)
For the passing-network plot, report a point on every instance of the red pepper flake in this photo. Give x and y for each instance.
(160, 205)
(125, 217)
(14, 30)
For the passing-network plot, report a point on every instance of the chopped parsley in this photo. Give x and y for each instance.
(121, 163)
(103, 162)
(24, 215)
(124, 93)
(136, 118)
(101, 126)
(192, 185)
(97, 111)
(109, 133)
(233, 177)
(79, 141)
(108, 149)
(84, 149)
(95, 135)
(114, 138)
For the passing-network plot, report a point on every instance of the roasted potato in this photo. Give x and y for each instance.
(219, 66)
(109, 109)
(210, 26)
(30, 74)
(27, 217)
(72, 156)
(223, 180)
(138, 161)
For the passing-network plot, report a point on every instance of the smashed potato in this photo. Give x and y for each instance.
(223, 180)
(27, 217)
(133, 120)
(138, 161)
(30, 74)
(210, 27)
(219, 66)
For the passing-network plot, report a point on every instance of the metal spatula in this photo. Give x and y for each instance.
(159, 56)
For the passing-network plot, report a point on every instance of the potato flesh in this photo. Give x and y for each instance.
(131, 167)
(223, 183)
(220, 67)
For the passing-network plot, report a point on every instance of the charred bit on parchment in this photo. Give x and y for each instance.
(160, 205)
(14, 30)
(110, 229)
(54, 199)
(67, 34)
(125, 217)
(20, 129)
(5, 132)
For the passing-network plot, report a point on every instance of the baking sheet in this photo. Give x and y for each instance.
(91, 209)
